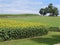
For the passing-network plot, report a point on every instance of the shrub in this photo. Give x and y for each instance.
(54, 29)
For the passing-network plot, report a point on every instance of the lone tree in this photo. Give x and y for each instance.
(42, 11)
(53, 11)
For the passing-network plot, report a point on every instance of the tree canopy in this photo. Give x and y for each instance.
(53, 11)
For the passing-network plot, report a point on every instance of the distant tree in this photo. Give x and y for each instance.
(46, 9)
(53, 11)
(50, 9)
(42, 11)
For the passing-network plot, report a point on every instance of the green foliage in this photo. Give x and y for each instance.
(42, 11)
(50, 9)
(16, 15)
(50, 39)
(55, 29)
(18, 33)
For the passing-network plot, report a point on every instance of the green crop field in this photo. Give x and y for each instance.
(52, 21)
(50, 39)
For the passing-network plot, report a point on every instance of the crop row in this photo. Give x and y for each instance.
(10, 29)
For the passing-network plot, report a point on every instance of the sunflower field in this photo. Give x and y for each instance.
(11, 29)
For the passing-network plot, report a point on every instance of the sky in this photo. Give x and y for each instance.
(25, 6)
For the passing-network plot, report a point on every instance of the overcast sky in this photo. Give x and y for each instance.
(25, 6)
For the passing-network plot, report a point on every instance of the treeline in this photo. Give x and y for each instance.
(16, 15)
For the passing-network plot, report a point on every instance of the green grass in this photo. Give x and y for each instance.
(52, 21)
(50, 39)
